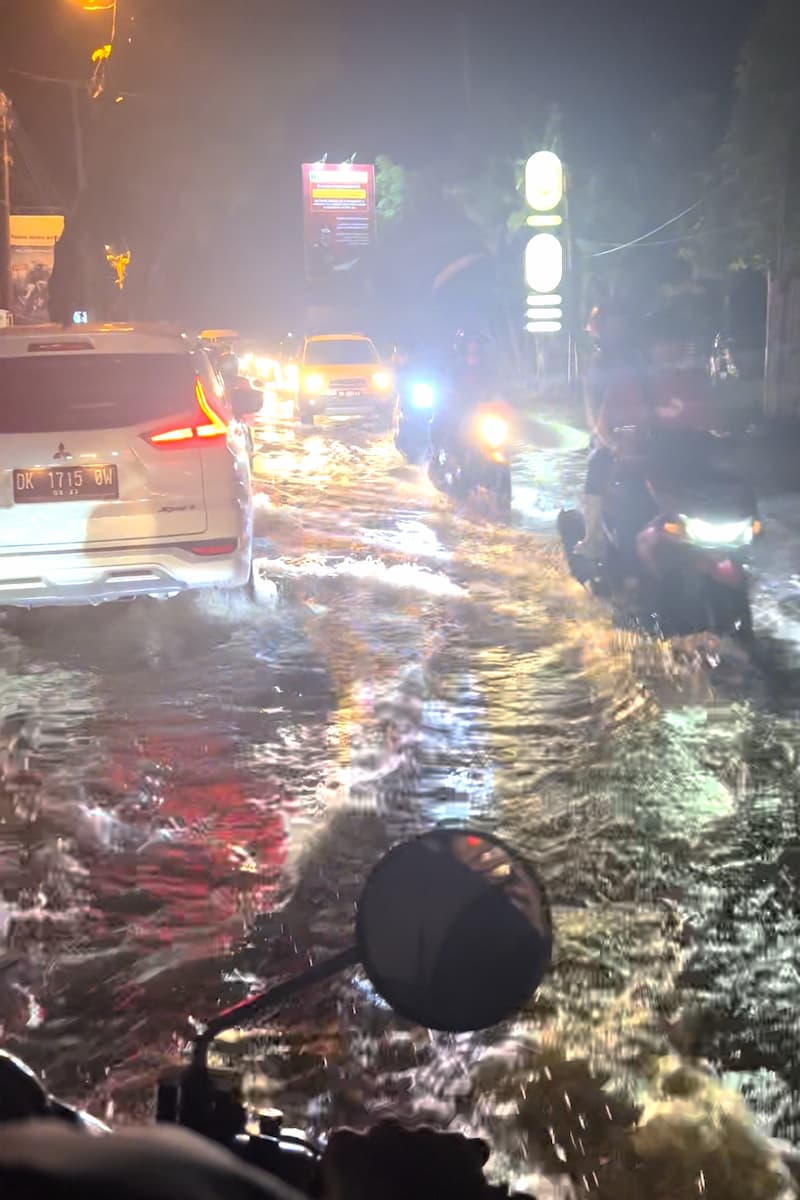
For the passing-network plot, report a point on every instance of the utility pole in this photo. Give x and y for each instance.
(776, 314)
(465, 46)
(6, 290)
(77, 131)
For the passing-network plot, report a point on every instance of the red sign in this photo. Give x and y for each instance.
(339, 216)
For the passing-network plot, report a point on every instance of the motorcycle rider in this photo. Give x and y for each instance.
(471, 381)
(618, 400)
(416, 366)
(641, 381)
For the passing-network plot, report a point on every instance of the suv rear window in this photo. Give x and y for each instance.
(348, 352)
(61, 393)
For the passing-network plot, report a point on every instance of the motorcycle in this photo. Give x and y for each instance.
(476, 460)
(453, 930)
(677, 540)
(416, 406)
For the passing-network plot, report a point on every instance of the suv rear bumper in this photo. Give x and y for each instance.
(99, 575)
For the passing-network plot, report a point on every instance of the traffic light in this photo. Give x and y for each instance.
(544, 253)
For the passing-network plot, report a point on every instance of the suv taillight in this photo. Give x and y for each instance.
(210, 424)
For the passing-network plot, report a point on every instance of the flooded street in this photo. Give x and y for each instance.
(192, 792)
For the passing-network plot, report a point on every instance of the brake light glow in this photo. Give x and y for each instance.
(222, 546)
(182, 435)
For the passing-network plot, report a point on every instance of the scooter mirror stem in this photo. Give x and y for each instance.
(248, 1010)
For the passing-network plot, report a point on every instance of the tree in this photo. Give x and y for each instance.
(753, 218)
(616, 203)
(391, 186)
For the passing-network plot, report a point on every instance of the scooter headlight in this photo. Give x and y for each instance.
(493, 430)
(719, 533)
(423, 395)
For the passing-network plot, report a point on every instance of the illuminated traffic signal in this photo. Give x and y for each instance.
(544, 253)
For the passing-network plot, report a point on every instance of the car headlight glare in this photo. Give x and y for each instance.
(382, 380)
(313, 385)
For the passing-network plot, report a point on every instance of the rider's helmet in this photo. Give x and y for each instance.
(472, 348)
(611, 323)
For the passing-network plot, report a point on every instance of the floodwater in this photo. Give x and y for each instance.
(191, 793)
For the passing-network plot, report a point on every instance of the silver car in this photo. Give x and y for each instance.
(124, 469)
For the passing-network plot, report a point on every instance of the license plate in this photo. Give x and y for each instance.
(347, 395)
(46, 484)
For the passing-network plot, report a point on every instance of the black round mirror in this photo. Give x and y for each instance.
(454, 930)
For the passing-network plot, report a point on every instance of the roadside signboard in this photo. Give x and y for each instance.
(338, 217)
(33, 240)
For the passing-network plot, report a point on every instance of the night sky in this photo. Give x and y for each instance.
(399, 82)
(274, 82)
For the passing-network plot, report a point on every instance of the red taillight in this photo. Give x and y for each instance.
(193, 431)
(212, 549)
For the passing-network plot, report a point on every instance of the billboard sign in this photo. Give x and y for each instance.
(338, 217)
(33, 240)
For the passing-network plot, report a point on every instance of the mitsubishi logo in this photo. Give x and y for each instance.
(61, 452)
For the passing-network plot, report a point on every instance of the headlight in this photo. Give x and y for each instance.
(718, 533)
(423, 395)
(493, 430)
(382, 380)
(313, 385)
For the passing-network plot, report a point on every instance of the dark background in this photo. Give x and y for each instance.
(198, 168)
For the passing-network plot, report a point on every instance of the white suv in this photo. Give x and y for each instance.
(124, 470)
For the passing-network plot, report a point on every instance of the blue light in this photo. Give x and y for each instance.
(423, 395)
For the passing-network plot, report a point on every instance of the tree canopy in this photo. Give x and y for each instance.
(752, 217)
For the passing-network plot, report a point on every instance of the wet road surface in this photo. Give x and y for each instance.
(171, 771)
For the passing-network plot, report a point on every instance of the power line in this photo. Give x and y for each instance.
(47, 78)
(645, 236)
(686, 237)
(72, 83)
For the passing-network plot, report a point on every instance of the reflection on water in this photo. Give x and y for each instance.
(171, 771)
